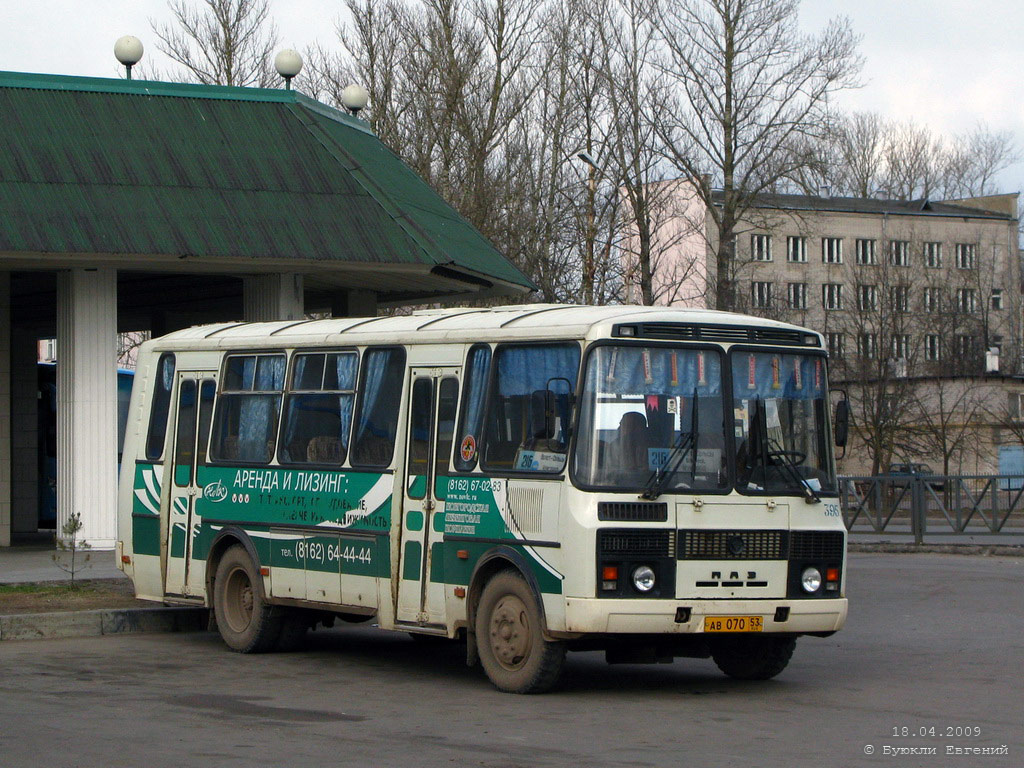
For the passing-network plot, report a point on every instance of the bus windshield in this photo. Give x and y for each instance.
(780, 407)
(652, 420)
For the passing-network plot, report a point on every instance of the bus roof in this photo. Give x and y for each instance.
(525, 321)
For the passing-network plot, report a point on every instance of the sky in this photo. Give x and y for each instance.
(948, 64)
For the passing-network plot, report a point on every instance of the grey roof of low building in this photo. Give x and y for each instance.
(870, 205)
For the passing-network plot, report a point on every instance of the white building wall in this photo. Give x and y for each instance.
(273, 297)
(87, 402)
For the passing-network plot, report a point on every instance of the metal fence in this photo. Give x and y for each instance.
(933, 505)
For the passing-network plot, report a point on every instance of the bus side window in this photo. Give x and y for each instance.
(478, 364)
(318, 409)
(245, 424)
(528, 428)
(161, 407)
(376, 420)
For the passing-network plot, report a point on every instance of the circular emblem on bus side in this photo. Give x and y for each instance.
(468, 448)
(735, 545)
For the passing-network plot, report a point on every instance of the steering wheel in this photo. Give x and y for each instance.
(797, 457)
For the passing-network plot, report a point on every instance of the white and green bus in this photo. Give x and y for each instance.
(650, 482)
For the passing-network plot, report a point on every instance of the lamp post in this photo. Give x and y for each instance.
(288, 64)
(128, 51)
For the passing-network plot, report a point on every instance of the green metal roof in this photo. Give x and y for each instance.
(98, 166)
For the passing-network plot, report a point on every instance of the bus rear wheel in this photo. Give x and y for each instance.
(753, 658)
(510, 639)
(247, 623)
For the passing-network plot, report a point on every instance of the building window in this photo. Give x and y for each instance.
(867, 344)
(867, 297)
(899, 253)
(932, 347)
(762, 295)
(900, 346)
(866, 252)
(965, 300)
(832, 296)
(900, 297)
(965, 345)
(933, 255)
(932, 299)
(798, 295)
(965, 255)
(836, 345)
(996, 300)
(760, 248)
(832, 250)
(796, 249)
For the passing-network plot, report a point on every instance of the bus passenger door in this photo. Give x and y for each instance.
(433, 400)
(191, 435)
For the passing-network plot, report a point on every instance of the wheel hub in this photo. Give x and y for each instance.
(510, 633)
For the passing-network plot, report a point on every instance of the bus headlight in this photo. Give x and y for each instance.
(643, 578)
(810, 579)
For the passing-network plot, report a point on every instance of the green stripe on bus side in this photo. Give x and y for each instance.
(458, 571)
(146, 535)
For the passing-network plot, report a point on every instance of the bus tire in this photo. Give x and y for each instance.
(753, 658)
(247, 623)
(510, 638)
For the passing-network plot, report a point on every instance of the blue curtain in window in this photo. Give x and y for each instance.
(764, 375)
(524, 370)
(671, 371)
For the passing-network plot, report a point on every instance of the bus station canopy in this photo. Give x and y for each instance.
(169, 177)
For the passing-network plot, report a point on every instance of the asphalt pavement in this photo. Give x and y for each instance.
(929, 660)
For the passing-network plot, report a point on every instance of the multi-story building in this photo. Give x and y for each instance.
(929, 286)
(907, 293)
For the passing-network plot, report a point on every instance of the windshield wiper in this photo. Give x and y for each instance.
(763, 448)
(687, 441)
(785, 458)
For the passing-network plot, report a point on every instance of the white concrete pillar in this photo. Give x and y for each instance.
(5, 410)
(273, 297)
(87, 402)
(25, 437)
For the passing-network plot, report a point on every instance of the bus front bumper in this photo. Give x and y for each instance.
(630, 616)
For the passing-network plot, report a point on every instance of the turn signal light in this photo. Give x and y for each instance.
(126, 559)
(609, 577)
(832, 574)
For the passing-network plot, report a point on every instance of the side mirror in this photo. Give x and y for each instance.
(842, 431)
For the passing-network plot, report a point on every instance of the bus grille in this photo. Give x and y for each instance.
(635, 543)
(731, 545)
(633, 511)
(816, 545)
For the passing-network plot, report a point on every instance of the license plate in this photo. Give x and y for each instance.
(732, 624)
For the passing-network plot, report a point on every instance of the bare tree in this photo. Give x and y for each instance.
(220, 42)
(946, 412)
(747, 83)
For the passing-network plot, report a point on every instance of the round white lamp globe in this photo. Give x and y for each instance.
(288, 63)
(128, 50)
(354, 98)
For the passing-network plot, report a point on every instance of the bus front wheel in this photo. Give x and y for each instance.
(247, 623)
(753, 658)
(510, 639)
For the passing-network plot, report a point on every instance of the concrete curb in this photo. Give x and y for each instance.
(105, 621)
